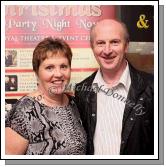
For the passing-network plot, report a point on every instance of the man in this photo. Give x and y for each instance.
(8, 60)
(116, 102)
(7, 80)
(13, 83)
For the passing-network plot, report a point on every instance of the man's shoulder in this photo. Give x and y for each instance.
(141, 75)
(88, 80)
(148, 77)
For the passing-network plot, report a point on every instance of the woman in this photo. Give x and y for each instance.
(47, 121)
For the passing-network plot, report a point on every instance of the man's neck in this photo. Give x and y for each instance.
(112, 77)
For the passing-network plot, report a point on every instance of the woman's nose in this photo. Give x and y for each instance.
(57, 73)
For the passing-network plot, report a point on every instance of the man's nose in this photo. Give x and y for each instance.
(107, 49)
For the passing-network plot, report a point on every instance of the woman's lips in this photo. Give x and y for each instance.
(57, 83)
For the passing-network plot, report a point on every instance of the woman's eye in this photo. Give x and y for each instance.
(63, 66)
(49, 68)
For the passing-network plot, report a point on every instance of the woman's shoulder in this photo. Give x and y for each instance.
(19, 109)
(25, 101)
(72, 101)
(70, 97)
(18, 117)
(33, 94)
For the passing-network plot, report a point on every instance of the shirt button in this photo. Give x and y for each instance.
(123, 141)
(72, 102)
(93, 115)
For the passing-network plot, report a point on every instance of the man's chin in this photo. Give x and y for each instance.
(107, 68)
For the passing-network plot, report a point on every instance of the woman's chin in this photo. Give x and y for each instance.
(56, 91)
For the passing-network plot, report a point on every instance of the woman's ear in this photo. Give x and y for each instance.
(37, 79)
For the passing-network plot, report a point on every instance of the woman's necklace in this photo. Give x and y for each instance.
(59, 101)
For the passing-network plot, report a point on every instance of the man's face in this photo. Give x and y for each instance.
(6, 79)
(109, 45)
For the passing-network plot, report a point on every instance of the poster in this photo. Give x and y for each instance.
(27, 25)
(21, 39)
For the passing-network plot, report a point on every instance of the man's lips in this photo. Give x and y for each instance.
(108, 57)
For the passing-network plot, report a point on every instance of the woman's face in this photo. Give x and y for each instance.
(54, 74)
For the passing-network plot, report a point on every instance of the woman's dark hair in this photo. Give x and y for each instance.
(55, 45)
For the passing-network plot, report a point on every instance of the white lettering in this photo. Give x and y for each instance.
(85, 24)
(56, 25)
(21, 24)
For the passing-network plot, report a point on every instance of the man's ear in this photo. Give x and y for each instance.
(126, 47)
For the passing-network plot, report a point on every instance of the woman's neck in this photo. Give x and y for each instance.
(52, 100)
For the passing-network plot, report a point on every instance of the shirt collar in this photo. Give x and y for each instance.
(125, 79)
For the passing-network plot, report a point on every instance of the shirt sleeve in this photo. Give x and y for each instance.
(17, 118)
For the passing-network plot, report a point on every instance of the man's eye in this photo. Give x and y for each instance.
(100, 43)
(115, 42)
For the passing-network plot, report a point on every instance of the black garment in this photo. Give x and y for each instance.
(7, 86)
(137, 137)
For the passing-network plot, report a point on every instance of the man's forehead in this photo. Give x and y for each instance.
(108, 21)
